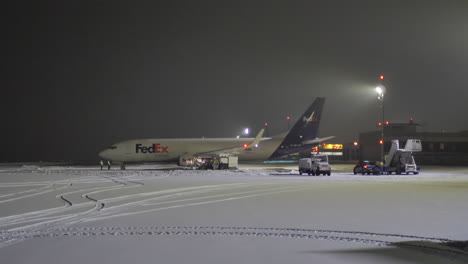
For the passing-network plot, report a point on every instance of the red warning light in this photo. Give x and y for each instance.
(379, 123)
(288, 117)
(381, 77)
(266, 124)
(387, 123)
(381, 142)
(245, 145)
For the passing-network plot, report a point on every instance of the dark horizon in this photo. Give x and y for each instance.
(80, 76)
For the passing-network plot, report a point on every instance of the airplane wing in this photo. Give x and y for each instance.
(316, 140)
(237, 150)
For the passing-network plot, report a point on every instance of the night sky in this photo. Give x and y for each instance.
(78, 76)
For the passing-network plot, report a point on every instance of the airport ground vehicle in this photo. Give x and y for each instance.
(320, 165)
(367, 167)
(316, 165)
(402, 160)
(212, 162)
(397, 161)
(305, 166)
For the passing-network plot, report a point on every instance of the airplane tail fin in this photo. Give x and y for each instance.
(257, 139)
(304, 130)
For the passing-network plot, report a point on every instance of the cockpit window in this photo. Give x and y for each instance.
(113, 147)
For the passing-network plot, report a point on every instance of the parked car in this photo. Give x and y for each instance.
(367, 167)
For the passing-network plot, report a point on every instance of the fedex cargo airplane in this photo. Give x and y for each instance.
(302, 136)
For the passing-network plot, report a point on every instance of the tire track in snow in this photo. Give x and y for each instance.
(32, 216)
(27, 191)
(47, 221)
(35, 194)
(102, 211)
(47, 213)
(114, 211)
(92, 214)
(431, 245)
(129, 231)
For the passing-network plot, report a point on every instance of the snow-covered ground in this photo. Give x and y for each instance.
(257, 214)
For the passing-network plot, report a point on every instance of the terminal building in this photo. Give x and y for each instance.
(437, 148)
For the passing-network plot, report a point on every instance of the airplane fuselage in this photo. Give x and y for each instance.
(162, 150)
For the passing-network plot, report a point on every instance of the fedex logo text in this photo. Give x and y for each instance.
(155, 148)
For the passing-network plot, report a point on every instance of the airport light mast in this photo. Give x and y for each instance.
(381, 91)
